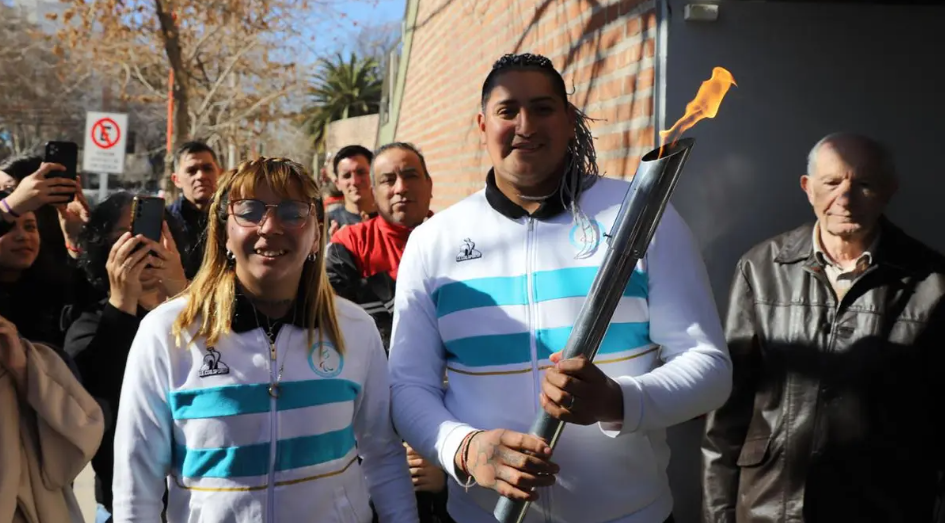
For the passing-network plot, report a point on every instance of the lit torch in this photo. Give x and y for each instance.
(636, 222)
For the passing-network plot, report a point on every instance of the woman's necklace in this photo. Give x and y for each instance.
(274, 390)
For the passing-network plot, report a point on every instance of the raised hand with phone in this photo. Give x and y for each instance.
(144, 263)
(125, 266)
(166, 266)
(138, 267)
(38, 189)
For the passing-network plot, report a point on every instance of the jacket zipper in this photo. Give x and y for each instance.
(530, 316)
(273, 433)
(530, 320)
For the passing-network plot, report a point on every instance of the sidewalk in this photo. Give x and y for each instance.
(84, 488)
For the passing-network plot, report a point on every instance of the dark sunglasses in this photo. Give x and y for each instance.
(252, 213)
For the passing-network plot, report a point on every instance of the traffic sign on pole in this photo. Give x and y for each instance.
(105, 135)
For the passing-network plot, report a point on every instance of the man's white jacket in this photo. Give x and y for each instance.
(485, 293)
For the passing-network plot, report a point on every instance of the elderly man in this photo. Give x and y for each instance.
(836, 335)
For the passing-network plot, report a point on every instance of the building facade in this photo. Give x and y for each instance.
(606, 51)
(804, 69)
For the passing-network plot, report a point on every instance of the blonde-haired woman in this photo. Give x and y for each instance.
(254, 393)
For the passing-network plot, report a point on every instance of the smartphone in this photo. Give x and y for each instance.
(65, 154)
(147, 217)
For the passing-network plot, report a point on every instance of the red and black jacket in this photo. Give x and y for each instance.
(362, 262)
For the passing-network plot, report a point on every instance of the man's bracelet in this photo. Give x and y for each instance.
(464, 452)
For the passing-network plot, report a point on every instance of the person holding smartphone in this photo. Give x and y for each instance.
(136, 275)
(258, 395)
(60, 210)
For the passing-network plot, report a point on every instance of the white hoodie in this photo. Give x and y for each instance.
(202, 418)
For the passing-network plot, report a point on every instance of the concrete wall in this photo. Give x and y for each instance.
(803, 70)
(388, 124)
(360, 130)
(604, 48)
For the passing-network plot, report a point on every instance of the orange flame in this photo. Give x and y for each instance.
(704, 105)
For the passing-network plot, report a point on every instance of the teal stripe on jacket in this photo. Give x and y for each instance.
(235, 400)
(510, 349)
(253, 460)
(513, 290)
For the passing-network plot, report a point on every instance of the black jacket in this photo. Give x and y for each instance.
(836, 413)
(36, 307)
(189, 227)
(99, 342)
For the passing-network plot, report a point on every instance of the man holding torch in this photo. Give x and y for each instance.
(487, 294)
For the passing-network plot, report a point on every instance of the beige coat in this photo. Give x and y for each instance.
(47, 436)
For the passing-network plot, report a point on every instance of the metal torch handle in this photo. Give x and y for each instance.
(629, 238)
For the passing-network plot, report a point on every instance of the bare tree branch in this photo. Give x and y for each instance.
(252, 109)
(226, 72)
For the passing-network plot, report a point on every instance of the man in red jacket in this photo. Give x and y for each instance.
(363, 258)
(362, 266)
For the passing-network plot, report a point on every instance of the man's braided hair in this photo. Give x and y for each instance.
(582, 170)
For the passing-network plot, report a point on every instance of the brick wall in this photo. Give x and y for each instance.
(359, 130)
(605, 50)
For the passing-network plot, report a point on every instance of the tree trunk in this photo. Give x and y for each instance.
(181, 131)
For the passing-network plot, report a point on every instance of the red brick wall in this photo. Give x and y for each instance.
(605, 50)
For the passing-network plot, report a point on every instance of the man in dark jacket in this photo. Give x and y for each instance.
(836, 335)
(362, 267)
(195, 173)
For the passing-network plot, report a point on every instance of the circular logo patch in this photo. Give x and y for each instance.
(586, 236)
(325, 360)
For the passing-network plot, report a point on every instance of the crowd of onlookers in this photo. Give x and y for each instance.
(72, 280)
(430, 342)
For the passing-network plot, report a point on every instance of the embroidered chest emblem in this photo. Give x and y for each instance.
(325, 360)
(585, 236)
(468, 251)
(212, 366)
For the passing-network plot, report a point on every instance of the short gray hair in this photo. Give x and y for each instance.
(403, 146)
(880, 152)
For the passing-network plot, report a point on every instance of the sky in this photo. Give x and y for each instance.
(355, 14)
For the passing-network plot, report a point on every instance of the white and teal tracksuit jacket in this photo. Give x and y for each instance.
(201, 419)
(486, 294)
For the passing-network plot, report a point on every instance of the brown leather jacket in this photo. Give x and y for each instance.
(836, 412)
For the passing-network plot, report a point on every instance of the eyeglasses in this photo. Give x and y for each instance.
(252, 213)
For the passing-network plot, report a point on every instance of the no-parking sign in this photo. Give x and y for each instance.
(105, 135)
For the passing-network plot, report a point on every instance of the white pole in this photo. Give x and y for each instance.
(102, 187)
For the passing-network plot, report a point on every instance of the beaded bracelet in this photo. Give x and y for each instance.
(9, 210)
